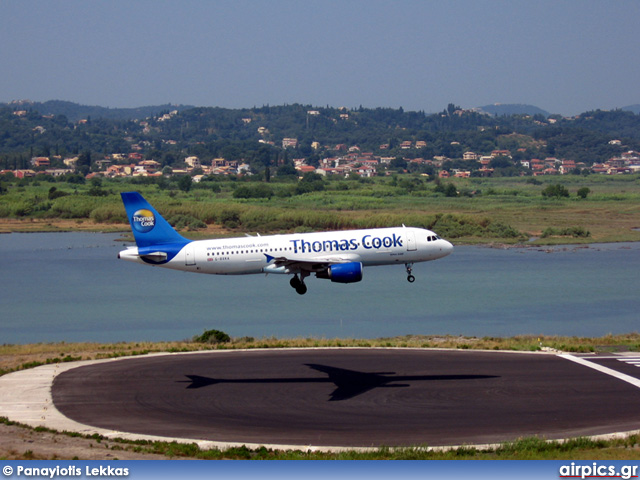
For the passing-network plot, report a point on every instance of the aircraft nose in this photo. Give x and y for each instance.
(447, 248)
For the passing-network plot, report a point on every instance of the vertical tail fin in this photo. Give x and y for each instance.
(148, 226)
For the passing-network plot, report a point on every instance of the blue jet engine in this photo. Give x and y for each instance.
(343, 272)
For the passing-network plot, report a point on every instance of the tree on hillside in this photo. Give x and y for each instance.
(184, 183)
(452, 107)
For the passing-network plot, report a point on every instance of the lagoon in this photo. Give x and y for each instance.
(71, 287)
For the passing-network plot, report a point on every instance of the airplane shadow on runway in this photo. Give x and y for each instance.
(349, 383)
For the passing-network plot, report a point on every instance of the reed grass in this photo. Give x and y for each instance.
(508, 210)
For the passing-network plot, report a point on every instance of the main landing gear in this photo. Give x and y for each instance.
(410, 278)
(298, 284)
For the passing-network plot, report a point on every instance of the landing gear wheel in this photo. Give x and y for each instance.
(409, 267)
(298, 285)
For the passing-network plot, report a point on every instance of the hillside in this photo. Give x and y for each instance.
(257, 135)
(632, 108)
(75, 112)
(498, 109)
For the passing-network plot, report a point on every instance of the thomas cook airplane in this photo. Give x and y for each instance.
(338, 256)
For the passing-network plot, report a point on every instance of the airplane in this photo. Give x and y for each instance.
(338, 256)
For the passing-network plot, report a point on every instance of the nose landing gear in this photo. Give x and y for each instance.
(410, 278)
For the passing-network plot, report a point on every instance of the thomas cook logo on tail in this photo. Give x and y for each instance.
(143, 220)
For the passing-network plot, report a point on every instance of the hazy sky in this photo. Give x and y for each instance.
(563, 56)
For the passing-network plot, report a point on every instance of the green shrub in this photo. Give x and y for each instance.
(75, 206)
(260, 190)
(557, 191)
(23, 209)
(109, 214)
(212, 336)
(583, 192)
(230, 217)
(182, 222)
(55, 193)
(576, 232)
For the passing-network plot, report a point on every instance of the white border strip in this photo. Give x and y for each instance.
(609, 371)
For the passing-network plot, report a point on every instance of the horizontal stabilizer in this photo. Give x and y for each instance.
(154, 256)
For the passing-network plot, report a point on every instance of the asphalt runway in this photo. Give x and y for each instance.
(349, 397)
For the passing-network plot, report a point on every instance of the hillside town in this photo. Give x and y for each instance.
(225, 142)
(346, 161)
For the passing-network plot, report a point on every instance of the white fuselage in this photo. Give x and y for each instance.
(247, 255)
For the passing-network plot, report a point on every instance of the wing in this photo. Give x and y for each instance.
(315, 264)
(349, 383)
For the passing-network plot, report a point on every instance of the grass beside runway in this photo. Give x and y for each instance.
(523, 449)
(18, 357)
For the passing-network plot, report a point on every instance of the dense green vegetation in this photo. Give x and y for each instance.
(465, 210)
(234, 134)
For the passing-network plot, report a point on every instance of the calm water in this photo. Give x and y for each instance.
(71, 287)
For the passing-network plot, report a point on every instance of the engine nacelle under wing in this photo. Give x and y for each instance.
(343, 272)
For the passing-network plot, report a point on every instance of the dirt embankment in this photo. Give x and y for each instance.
(18, 443)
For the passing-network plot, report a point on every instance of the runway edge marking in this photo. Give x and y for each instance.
(609, 371)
